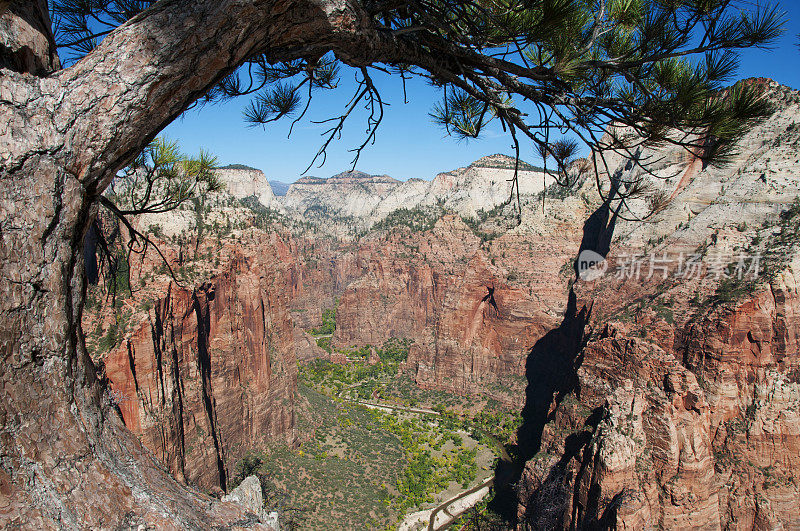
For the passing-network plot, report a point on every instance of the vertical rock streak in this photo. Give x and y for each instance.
(231, 373)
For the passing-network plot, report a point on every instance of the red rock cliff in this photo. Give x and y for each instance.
(212, 373)
(472, 308)
(702, 431)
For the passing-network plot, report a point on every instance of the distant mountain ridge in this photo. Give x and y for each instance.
(369, 198)
(352, 176)
(361, 200)
(505, 162)
(357, 200)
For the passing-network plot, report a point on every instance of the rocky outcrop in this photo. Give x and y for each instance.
(704, 435)
(249, 495)
(211, 374)
(484, 185)
(245, 196)
(354, 201)
(650, 458)
(241, 183)
(678, 406)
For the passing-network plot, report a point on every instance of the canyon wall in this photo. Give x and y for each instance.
(705, 434)
(673, 402)
(472, 307)
(211, 373)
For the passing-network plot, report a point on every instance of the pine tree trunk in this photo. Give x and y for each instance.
(26, 40)
(67, 460)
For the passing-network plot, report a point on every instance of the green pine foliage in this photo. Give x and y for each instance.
(416, 219)
(238, 167)
(162, 178)
(328, 325)
(559, 74)
(264, 218)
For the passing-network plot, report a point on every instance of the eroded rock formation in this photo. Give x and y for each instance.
(211, 373)
(472, 308)
(702, 435)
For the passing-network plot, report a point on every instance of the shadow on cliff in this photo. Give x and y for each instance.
(598, 229)
(551, 370)
(203, 315)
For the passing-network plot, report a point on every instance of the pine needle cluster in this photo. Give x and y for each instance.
(607, 75)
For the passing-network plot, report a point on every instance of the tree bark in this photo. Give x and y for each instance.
(66, 459)
(26, 39)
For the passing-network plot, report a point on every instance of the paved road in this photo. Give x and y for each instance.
(387, 407)
(443, 515)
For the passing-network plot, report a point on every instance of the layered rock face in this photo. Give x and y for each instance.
(484, 185)
(704, 435)
(242, 182)
(472, 308)
(650, 458)
(348, 194)
(241, 186)
(748, 362)
(358, 200)
(211, 373)
(674, 402)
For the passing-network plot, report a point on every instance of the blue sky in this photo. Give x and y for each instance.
(408, 144)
